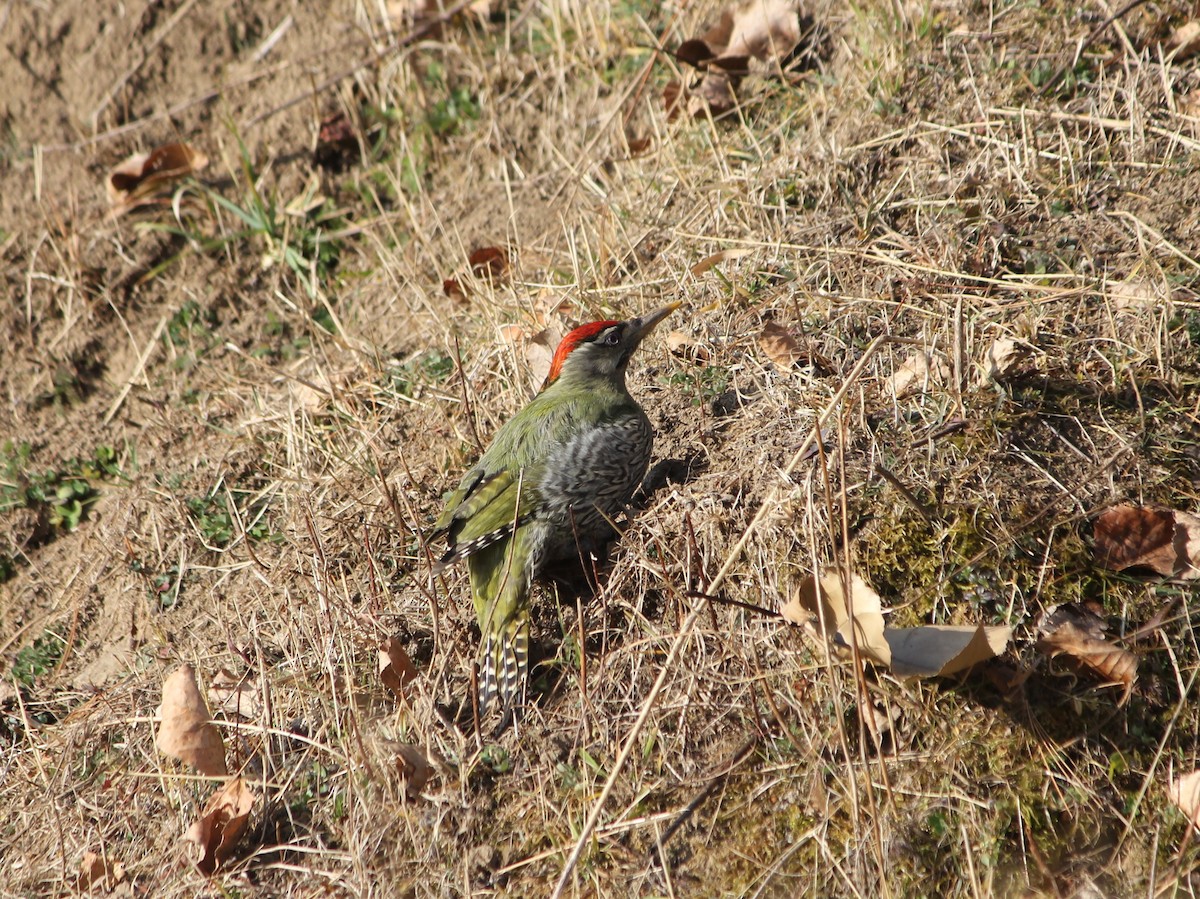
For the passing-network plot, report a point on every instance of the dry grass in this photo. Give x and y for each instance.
(285, 441)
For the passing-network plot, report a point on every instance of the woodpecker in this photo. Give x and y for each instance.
(547, 489)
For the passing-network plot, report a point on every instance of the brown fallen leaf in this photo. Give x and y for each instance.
(1164, 540)
(235, 695)
(1185, 793)
(1077, 633)
(837, 613)
(1137, 293)
(337, 143)
(413, 768)
(537, 348)
(1184, 41)
(755, 29)
(1006, 358)
(717, 258)
(919, 372)
(396, 669)
(97, 870)
(928, 651)
(779, 345)
(222, 824)
(135, 181)
(186, 731)
(685, 347)
(489, 263)
(486, 263)
(939, 650)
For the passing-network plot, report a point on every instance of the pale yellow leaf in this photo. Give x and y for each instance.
(1185, 793)
(186, 731)
(936, 650)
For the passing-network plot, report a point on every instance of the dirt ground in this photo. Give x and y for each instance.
(230, 416)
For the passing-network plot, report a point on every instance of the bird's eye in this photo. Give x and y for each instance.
(612, 338)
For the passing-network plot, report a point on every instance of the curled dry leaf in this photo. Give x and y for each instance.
(337, 143)
(136, 180)
(1185, 40)
(683, 346)
(396, 669)
(837, 613)
(235, 695)
(919, 372)
(938, 650)
(929, 651)
(1185, 793)
(779, 345)
(1136, 293)
(537, 348)
(222, 824)
(717, 258)
(755, 29)
(1006, 358)
(413, 768)
(1078, 634)
(96, 870)
(486, 263)
(1163, 540)
(186, 731)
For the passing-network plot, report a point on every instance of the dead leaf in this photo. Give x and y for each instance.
(222, 824)
(187, 732)
(489, 263)
(138, 178)
(337, 143)
(880, 720)
(1075, 632)
(779, 345)
(917, 373)
(683, 346)
(235, 695)
(929, 651)
(1185, 793)
(486, 263)
(939, 650)
(1184, 41)
(413, 768)
(639, 146)
(764, 29)
(396, 669)
(756, 29)
(96, 870)
(839, 614)
(717, 258)
(1006, 358)
(1136, 294)
(1163, 540)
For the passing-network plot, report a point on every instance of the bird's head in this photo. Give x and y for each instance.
(602, 349)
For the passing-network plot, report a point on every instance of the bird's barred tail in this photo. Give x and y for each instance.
(505, 667)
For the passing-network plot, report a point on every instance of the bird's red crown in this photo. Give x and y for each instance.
(582, 334)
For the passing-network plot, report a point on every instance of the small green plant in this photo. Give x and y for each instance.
(38, 658)
(432, 367)
(61, 496)
(215, 522)
(704, 384)
(496, 758)
(303, 235)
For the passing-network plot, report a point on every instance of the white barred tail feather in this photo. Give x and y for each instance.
(505, 668)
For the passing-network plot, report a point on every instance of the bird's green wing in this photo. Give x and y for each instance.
(484, 510)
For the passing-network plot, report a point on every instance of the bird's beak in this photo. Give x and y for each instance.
(644, 325)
